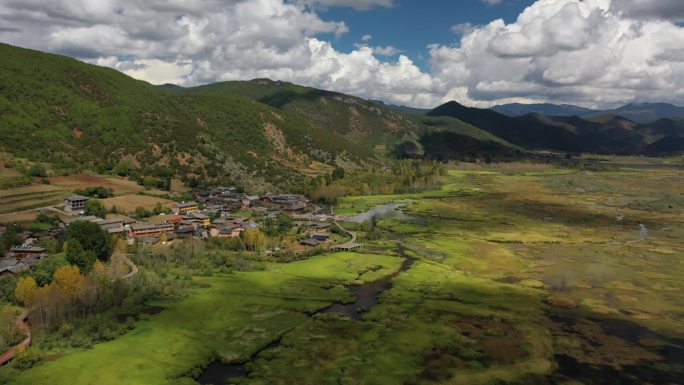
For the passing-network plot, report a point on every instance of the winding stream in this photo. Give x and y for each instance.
(366, 296)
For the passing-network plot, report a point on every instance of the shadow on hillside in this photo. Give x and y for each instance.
(280, 99)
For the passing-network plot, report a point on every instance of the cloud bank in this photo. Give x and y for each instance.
(592, 53)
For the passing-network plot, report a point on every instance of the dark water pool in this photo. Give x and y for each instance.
(669, 370)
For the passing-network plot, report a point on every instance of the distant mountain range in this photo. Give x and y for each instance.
(638, 112)
(646, 112)
(604, 133)
(516, 109)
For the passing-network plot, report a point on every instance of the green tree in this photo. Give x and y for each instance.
(77, 256)
(122, 169)
(9, 239)
(46, 218)
(141, 213)
(37, 171)
(44, 270)
(338, 173)
(284, 223)
(92, 238)
(94, 207)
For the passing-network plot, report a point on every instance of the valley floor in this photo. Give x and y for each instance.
(521, 274)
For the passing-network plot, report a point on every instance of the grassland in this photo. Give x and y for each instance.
(519, 269)
(229, 317)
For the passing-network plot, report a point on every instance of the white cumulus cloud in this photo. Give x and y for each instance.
(587, 52)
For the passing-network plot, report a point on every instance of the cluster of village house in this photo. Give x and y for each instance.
(211, 215)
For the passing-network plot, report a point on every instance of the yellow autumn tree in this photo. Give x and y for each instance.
(68, 279)
(25, 290)
(254, 239)
(99, 267)
(40, 315)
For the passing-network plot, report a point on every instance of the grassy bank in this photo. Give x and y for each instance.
(230, 318)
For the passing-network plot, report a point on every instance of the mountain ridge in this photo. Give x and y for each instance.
(638, 112)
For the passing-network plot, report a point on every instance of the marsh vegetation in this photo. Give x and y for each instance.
(520, 274)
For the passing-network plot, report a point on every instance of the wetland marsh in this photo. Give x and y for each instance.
(518, 274)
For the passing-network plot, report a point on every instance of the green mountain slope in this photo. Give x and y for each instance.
(71, 115)
(360, 121)
(370, 124)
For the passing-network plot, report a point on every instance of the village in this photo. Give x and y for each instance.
(217, 213)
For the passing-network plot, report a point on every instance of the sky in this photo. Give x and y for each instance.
(420, 53)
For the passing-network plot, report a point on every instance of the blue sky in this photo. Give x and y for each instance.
(412, 25)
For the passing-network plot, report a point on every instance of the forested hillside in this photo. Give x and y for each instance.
(70, 116)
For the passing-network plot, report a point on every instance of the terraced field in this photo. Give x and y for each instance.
(31, 197)
(17, 202)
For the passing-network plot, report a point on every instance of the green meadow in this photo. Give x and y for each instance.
(516, 267)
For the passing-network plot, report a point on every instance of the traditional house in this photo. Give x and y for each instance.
(113, 226)
(320, 236)
(231, 204)
(10, 267)
(249, 200)
(150, 230)
(223, 232)
(198, 218)
(25, 251)
(223, 191)
(320, 226)
(309, 242)
(185, 232)
(174, 219)
(75, 203)
(284, 200)
(347, 247)
(295, 208)
(185, 208)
